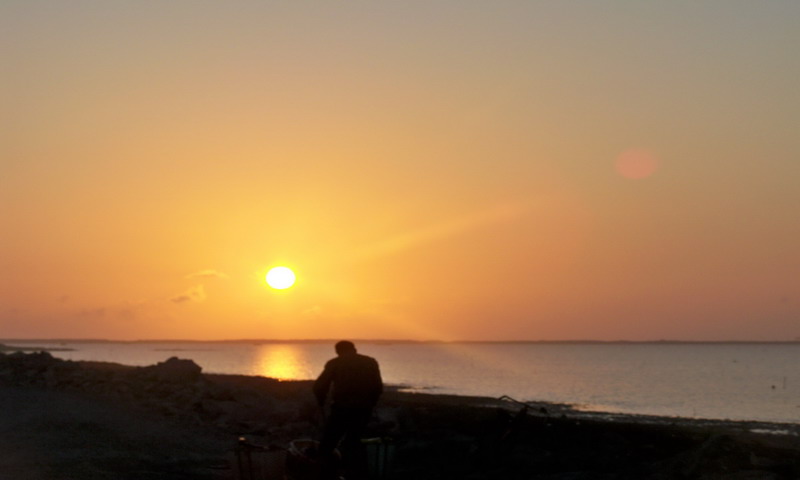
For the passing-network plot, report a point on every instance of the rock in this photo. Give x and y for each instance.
(174, 370)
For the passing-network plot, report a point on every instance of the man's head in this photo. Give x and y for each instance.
(344, 347)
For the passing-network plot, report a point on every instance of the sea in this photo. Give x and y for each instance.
(733, 381)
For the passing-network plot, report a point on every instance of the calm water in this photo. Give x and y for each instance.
(734, 381)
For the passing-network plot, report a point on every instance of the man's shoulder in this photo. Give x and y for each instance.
(365, 360)
(351, 361)
(332, 362)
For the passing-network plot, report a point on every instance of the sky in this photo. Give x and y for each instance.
(449, 170)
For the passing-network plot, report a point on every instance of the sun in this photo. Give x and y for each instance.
(280, 278)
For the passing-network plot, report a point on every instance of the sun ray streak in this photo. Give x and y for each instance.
(456, 226)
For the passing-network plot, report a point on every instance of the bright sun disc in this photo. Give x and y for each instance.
(280, 278)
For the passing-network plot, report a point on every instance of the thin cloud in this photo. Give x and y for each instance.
(210, 273)
(194, 294)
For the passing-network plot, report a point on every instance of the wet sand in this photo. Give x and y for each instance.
(88, 420)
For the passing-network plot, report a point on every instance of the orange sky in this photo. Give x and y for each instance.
(488, 171)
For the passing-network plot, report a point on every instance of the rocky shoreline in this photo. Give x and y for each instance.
(65, 419)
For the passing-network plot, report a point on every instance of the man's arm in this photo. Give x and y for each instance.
(323, 384)
(377, 389)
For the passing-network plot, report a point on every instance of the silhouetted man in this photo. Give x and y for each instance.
(357, 385)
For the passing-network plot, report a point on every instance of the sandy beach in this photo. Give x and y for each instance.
(87, 420)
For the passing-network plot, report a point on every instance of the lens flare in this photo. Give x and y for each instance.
(636, 164)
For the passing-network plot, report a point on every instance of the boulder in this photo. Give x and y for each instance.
(174, 370)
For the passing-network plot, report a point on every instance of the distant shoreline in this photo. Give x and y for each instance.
(8, 341)
(13, 348)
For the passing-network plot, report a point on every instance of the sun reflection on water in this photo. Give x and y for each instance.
(283, 362)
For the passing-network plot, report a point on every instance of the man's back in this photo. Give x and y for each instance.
(356, 381)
